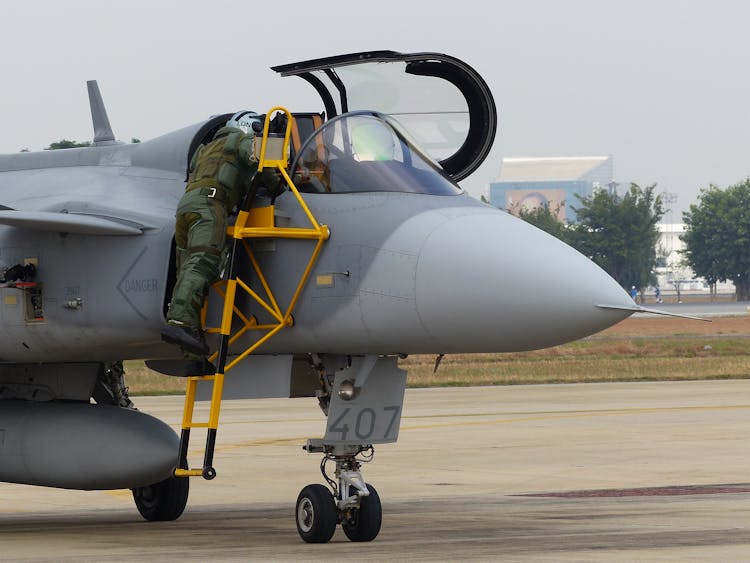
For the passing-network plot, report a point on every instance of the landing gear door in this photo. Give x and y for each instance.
(373, 414)
(442, 102)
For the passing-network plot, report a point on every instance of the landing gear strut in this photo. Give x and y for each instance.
(350, 501)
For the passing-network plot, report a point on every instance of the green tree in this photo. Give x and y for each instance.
(66, 144)
(717, 236)
(619, 233)
(547, 220)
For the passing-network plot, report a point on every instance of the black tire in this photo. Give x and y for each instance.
(316, 514)
(363, 524)
(163, 501)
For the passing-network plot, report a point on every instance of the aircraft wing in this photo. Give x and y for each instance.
(77, 223)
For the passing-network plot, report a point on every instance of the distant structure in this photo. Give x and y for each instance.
(671, 270)
(670, 267)
(529, 182)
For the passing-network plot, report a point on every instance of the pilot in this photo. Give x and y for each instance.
(221, 174)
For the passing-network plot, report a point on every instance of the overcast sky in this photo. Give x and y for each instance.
(663, 86)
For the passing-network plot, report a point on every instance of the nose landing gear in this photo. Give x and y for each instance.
(349, 501)
(362, 398)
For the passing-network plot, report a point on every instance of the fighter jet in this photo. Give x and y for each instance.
(370, 251)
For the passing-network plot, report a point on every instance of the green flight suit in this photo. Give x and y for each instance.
(221, 173)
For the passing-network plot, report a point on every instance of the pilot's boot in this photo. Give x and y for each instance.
(114, 379)
(189, 338)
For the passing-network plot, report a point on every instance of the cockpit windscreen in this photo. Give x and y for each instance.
(367, 152)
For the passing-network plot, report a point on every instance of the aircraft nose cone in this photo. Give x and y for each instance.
(490, 282)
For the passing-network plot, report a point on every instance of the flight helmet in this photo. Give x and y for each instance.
(248, 121)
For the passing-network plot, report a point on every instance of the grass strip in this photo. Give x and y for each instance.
(587, 360)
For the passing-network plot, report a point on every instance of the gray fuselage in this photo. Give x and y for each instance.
(401, 272)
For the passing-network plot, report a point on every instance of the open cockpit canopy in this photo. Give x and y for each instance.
(442, 102)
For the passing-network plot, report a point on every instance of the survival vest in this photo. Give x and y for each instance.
(219, 165)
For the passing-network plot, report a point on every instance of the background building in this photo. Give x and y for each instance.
(525, 183)
(670, 267)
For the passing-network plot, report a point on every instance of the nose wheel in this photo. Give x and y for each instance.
(316, 514)
(348, 500)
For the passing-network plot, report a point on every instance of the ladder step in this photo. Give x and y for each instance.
(202, 377)
(188, 472)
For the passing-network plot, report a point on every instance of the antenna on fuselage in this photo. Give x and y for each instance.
(103, 134)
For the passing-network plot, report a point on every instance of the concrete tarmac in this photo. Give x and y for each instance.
(590, 472)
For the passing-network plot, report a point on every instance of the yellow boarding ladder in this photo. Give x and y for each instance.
(250, 224)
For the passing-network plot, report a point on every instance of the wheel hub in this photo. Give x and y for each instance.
(305, 515)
